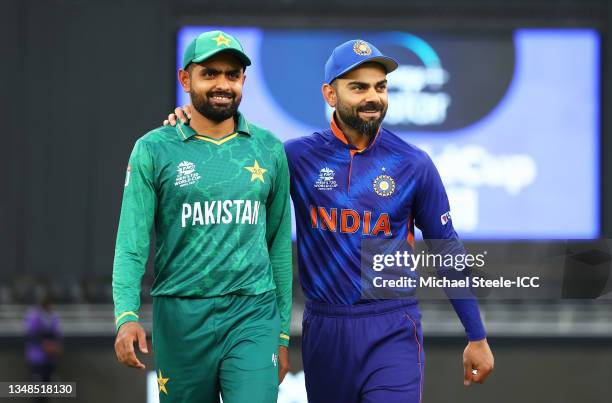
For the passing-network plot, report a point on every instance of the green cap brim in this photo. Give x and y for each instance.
(244, 59)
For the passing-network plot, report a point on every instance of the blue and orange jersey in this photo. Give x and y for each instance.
(342, 195)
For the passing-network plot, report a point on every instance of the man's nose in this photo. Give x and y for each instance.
(222, 83)
(372, 95)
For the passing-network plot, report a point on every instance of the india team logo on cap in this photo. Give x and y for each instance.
(384, 185)
(362, 48)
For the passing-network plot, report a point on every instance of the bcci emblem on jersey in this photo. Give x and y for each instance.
(384, 185)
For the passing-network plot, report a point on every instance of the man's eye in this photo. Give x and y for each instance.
(234, 76)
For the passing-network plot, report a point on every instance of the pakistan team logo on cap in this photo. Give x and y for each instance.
(362, 48)
(384, 185)
(221, 40)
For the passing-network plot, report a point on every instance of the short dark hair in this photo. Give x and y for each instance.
(191, 66)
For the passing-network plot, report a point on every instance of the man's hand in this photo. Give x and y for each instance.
(182, 114)
(130, 333)
(477, 362)
(283, 363)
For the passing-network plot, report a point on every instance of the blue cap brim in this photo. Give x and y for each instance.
(387, 62)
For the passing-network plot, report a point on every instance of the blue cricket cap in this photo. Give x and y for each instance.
(353, 53)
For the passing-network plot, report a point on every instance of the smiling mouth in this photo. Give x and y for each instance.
(370, 113)
(221, 98)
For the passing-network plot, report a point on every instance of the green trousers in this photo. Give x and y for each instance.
(225, 345)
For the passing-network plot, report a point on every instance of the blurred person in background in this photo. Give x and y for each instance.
(43, 340)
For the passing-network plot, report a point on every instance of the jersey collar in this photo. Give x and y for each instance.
(185, 132)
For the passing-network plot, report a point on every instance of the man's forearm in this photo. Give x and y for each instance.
(126, 291)
(283, 279)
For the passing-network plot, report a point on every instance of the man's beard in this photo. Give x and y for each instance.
(213, 112)
(350, 116)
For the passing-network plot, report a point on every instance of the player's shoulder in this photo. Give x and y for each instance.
(264, 136)
(162, 134)
(302, 145)
(396, 145)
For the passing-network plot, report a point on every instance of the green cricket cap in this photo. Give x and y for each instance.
(209, 44)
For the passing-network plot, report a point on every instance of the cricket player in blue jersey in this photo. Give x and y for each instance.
(353, 181)
(382, 187)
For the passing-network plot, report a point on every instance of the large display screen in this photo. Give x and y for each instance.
(510, 118)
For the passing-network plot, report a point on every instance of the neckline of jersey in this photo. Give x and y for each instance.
(217, 141)
(185, 132)
(339, 135)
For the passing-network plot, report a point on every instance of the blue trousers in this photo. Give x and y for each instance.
(366, 353)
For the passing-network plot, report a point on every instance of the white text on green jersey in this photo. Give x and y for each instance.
(220, 212)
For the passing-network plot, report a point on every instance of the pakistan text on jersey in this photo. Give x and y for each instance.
(220, 212)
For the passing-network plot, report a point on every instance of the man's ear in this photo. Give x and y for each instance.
(329, 93)
(185, 80)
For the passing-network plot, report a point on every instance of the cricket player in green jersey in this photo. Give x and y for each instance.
(217, 193)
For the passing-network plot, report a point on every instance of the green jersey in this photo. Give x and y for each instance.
(222, 219)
